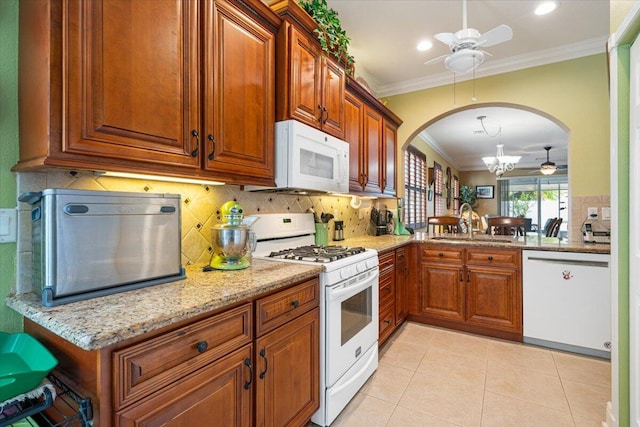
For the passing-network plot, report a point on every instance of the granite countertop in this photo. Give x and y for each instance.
(99, 322)
(387, 242)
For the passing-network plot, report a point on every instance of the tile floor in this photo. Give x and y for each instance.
(429, 376)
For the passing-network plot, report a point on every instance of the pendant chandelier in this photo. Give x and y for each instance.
(501, 163)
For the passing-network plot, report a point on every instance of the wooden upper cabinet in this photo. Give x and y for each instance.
(132, 77)
(310, 85)
(173, 87)
(354, 116)
(389, 165)
(371, 131)
(305, 89)
(373, 150)
(239, 102)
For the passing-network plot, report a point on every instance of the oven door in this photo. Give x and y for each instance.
(351, 322)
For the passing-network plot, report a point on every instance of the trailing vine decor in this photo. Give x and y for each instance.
(333, 38)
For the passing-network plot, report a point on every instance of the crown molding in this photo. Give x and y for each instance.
(589, 47)
(424, 136)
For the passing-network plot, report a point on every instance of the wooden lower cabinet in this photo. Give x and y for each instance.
(402, 278)
(254, 363)
(474, 289)
(442, 291)
(393, 291)
(287, 373)
(220, 393)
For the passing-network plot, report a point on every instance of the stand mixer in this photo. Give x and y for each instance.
(231, 239)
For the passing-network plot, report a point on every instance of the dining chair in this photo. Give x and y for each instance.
(554, 227)
(506, 225)
(442, 224)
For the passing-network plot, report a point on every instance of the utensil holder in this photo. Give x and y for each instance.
(322, 234)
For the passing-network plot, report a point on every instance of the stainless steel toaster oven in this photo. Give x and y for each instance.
(94, 243)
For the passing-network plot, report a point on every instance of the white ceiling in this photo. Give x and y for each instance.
(384, 35)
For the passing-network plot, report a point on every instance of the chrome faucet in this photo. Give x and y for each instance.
(468, 207)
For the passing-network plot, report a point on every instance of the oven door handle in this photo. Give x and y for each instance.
(340, 291)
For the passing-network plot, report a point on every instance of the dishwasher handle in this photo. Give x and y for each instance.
(603, 264)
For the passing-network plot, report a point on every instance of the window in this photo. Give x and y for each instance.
(438, 200)
(537, 199)
(456, 195)
(415, 188)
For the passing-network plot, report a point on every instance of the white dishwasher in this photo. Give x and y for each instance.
(566, 301)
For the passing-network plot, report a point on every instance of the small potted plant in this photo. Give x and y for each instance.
(467, 195)
(333, 38)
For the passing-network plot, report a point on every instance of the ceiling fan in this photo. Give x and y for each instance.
(464, 45)
(549, 167)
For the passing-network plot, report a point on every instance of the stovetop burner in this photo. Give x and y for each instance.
(316, 253)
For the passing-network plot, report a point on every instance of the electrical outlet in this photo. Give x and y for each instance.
(592, 213)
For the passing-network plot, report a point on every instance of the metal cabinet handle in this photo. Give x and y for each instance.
(202, 346)
(490, 258)
(387, 321)
(266, 365)
(321, 113)
(213, 146)
(326, 115)
(295, 303)
(440, 254)
(194, 133)
(388, 288)
(468, 276)
(461, 275)
(247, 362)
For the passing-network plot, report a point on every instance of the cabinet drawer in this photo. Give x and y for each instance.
(386, 261)
(279, 308)
(386, 323)
(387, 283)
(494, 257)
(441, 254)
(151, 365)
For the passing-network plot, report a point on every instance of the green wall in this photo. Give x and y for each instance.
(574, 92)
(10, 321)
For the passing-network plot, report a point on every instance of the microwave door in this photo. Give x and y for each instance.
(319, 164)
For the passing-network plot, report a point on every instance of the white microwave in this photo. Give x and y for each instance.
(308, 160)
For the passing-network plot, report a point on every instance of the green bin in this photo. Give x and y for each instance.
(24, 362)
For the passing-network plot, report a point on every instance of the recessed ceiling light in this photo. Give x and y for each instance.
(424, 45)
(546, 7)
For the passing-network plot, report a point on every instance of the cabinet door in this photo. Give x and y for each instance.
(353, 133)
(442, 291)
(305, 86)
(219, 393)
(239, 96)
(494, 298)
(333, 93)
(132, 82)
(402, 277)
(372, 139)
(287, 372)
(389, 163)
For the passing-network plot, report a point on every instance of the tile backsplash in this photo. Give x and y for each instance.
(579, 207)
(200, 204)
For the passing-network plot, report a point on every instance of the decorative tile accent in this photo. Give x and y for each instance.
(200, 204)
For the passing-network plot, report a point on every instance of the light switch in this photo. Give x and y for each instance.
(8, 225)
(606, 213)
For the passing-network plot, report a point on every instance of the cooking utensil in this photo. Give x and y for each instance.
(326, 217)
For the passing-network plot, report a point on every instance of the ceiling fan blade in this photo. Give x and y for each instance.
(438, 59)
(449, 39)
(496, 36)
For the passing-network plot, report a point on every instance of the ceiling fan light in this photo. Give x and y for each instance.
(464, 60)
(548, 169)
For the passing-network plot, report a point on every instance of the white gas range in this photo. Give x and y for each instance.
(348, 304)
